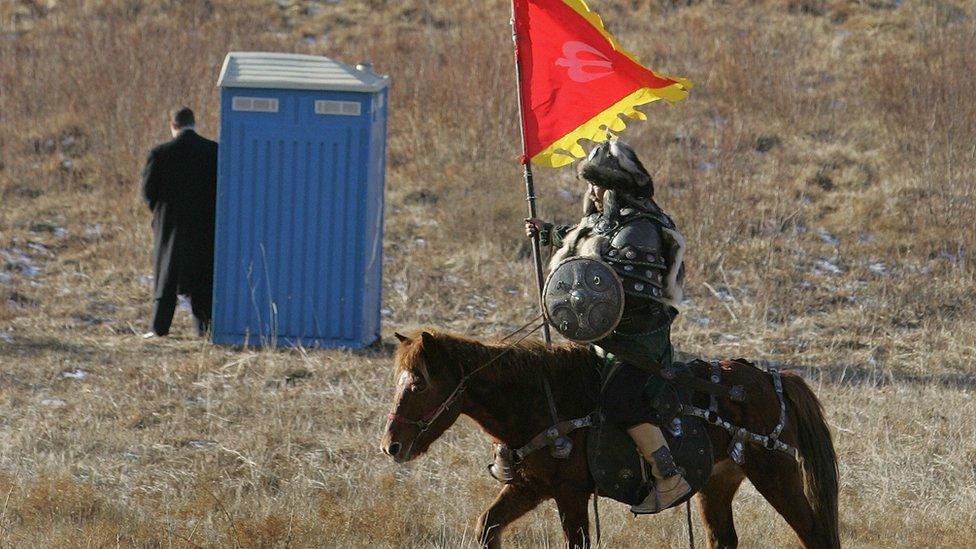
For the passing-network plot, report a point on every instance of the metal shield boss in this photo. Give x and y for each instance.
(583, 299)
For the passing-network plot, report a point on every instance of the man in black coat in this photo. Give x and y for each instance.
(179, 184)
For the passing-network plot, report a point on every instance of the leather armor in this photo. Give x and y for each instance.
(640, 243)
(635, 254)
(638, 253)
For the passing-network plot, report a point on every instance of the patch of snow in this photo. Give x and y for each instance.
(55, 230)
(728, 337)
(478, 312)
(420, 242)
(38, 247)
(75, 374)
(18, 261)
(878, 268)
(724, 294)
(828, 237)
(386, 312)
(702, 321)
(145, 279)
(56, 402)
(184, 304)
(202, 444)
(826, 266)
(5, 337)
(706, 166)
(93, 230)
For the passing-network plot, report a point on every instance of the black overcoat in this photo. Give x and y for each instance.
(179, 184)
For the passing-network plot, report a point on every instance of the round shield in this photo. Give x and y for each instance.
(583, 299)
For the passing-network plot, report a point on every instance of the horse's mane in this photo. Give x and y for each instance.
(527, 357)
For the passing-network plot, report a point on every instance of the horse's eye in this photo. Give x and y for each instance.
(418, 387)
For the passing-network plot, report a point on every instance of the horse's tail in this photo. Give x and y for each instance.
(818, 460)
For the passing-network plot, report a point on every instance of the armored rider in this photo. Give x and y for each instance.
(623, 227)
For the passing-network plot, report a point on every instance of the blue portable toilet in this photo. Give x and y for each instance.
(299, 235)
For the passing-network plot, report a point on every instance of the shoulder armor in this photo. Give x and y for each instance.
(636, 254)
(639, 234)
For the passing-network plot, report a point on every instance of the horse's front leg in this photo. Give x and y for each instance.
(575, 518)
(513, 502)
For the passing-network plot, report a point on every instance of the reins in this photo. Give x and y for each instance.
(424, 424)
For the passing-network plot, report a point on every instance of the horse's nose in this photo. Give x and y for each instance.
(393, 450)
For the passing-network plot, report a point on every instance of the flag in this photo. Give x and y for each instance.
(576, 81)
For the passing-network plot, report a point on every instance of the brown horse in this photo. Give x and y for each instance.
(506, 400)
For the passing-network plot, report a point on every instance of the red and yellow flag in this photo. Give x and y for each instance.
(576, 80)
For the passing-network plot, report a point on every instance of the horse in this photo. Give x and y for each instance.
(440, 376)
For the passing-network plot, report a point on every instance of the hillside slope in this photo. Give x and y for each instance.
(822, 170)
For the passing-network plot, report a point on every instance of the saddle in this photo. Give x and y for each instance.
(617, 467)
(619, 470)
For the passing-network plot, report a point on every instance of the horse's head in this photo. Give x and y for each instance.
(424, 397)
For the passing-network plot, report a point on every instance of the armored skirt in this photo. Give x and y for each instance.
(623, 399)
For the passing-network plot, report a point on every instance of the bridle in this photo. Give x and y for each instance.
(425, 423)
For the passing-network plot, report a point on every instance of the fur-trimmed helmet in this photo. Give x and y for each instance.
(614, 166)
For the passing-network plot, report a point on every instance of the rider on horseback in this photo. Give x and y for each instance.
(623, 227)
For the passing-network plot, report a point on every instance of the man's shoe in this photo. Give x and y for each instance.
(659, 500)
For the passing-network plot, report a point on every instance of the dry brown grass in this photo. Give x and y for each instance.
(847, 246)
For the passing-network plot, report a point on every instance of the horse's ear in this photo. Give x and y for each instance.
(400, 337)
(427, 338)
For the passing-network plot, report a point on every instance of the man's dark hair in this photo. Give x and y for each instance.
(183, 117)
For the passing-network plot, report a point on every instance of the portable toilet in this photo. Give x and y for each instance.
(299, 233)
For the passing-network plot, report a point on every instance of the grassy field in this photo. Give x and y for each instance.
(823, 172)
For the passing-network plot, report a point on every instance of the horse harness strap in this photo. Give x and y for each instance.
(680, 374)
(715, 378)
(502, 468)
(778, 385)
(547, 437)
(561, 448)
(740, 434)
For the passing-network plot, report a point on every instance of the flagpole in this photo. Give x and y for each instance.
(529, 185)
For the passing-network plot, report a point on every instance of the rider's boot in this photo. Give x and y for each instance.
(669, 484)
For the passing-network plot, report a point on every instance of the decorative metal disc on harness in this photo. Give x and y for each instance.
(583, 299)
